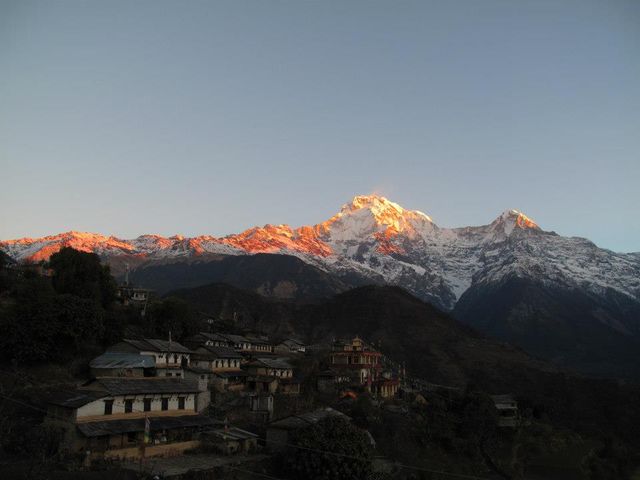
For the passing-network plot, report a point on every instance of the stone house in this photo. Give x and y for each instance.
(170, 357)
(232, 440)
(224, 364)
(130, 417)
(290, 346)
(270, 367)
(209, 340)
(123, 364)
(279, 431)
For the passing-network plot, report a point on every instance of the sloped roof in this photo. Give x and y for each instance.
(274, 362)
(232, 374)
(156, 345)
(218, 352)
(211, 336)
(141, 385)
(306, 419)
(122, 360)
(166, 346)
(235, 338)
(75, 398)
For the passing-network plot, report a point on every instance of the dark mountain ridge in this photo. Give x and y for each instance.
(434, 347)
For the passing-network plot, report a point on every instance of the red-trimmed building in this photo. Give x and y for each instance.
(360, 360)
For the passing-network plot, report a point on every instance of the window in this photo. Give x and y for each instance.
(108, 407)
(128, 406)
(131, 437)
(147, 404)
(178, 374)
(165, 404)
(180, 403)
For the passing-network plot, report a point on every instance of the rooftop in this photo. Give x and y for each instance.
(273, 362)
(303, 420)
(157, 345)
(217, 352)
(74, 398)
(122, 360)
(142, 385)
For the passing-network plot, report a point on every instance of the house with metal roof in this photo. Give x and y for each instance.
(170, 357)
(271, 367)
(129, 417)
(223, 366)
(123, 364)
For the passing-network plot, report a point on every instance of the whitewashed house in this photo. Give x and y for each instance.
(170, 357)
(130, 417)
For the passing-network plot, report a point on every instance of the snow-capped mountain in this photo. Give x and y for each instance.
(561, 298)
(375, 238)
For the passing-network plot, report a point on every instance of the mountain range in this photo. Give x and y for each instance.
(562, 298)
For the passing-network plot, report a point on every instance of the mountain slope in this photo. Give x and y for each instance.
(573, 328)
(282, 276)
(431, 342)
(509, 278)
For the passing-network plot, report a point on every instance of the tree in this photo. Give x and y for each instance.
(49, 328)
(332, 449)
(173, 315)
(82, 274)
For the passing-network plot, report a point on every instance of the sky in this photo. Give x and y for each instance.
(209, 117)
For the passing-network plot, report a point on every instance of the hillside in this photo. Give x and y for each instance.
(281, 276)
(435, 347)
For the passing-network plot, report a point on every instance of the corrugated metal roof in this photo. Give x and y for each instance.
(122, 360)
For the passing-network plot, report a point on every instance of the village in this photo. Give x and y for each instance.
(151, 403)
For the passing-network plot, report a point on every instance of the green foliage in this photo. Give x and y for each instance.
(54, 319)
(172, 315)
(350, 454)
(49, 328)
(82, 274)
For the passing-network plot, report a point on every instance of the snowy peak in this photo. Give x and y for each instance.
(383, 210)
(511, 220)
(367, 216)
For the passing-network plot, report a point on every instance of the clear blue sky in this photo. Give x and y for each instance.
(208, 117)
